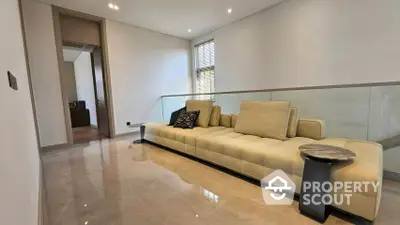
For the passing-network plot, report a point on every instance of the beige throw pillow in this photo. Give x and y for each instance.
(311, 128)
(264, 119)
(205, 107)
(234, 120)
(215, 116)
(225, 120)
(293, 122)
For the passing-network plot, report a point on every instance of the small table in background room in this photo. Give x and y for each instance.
(317, 168)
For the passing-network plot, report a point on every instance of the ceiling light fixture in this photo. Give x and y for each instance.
(113, 6)
(230, 10)
(189, 30)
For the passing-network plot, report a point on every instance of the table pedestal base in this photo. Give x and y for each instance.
(314, 171)
(141, 140)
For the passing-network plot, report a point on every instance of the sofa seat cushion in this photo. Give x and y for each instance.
(285, 155)
(154, 128)
(276, 154)
(265, 152)
(203, 141)
(366, 167)
(169, 132)
(240, 146)
(217, 143)
(189, 136)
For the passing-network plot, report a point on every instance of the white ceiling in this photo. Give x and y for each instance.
(70, 54)
(172, 17)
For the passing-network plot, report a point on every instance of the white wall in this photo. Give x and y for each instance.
(310, 42)
(69, 81)
(85, 85)
(44, 71)
(144, 65)
(19, 161)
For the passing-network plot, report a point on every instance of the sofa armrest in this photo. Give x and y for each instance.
(311, 128)
(161, 123)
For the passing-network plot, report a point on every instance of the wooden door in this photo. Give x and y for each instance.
(100, 92)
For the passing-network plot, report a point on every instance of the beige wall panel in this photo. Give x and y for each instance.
(80, 31)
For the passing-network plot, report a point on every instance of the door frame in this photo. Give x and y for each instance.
(106, 73)
(95, 87)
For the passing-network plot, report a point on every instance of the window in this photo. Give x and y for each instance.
(204, 65)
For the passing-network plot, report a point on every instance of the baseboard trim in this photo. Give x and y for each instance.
(126, 134)
(391, 175)
(54, 147)
(40, 197)
(42, 205)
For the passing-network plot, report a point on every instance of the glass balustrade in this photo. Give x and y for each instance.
(362, 113)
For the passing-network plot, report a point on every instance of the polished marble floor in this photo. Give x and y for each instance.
(116, 183)
(86, 134)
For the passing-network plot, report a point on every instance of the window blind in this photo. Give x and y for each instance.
(205, 67)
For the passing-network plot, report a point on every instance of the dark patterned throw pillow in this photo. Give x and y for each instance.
(187, 120)
(175, 115)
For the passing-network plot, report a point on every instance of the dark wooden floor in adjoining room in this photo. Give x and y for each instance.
(86, 134)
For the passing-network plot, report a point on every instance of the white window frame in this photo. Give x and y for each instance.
(196, 69)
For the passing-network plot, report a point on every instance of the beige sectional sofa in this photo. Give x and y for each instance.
(257, 157)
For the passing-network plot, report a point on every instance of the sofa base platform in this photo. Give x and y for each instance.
(349, 217)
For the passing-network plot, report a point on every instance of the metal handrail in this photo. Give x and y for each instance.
(291, 89)
(390, 143)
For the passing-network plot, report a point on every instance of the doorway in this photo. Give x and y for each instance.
(84, 79)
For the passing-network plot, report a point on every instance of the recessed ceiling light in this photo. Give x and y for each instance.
(189, 30)
(230, 10)
(113, 6)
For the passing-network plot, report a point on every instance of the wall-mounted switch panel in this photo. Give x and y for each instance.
(12, 81)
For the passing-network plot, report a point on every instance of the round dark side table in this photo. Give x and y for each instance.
(318, 168)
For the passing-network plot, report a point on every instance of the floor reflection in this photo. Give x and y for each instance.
(117, 183)
(209, 195)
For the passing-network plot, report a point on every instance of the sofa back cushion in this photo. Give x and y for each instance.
(225, 120)
(264, 119)
(293, 122)
(215, 116)
(311, 128)
(205, 107)
(234, 120)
